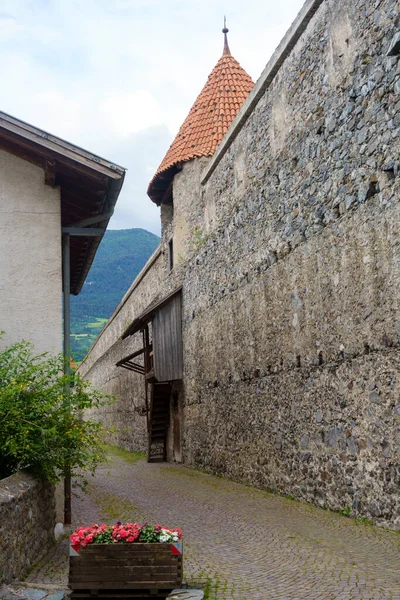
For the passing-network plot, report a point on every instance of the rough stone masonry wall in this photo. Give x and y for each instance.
(126, 415)
(27, 519)
(291, 304)
(291, 270)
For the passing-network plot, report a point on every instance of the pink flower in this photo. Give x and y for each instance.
(120, 533)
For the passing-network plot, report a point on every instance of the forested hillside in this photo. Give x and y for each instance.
(120, 257)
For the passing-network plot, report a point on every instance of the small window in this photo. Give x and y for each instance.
(170, 255)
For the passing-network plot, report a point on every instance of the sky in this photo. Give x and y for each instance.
(118, 77)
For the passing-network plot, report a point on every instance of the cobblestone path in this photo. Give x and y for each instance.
(241, 543)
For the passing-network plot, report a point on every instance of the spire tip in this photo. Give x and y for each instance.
(225, 32)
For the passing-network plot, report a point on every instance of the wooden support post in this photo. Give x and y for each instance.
(67, 366)
(146, 370)
(50, 172)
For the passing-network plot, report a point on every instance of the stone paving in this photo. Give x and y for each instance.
(240, 543)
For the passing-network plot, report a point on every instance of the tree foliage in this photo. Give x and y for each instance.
(41, 422)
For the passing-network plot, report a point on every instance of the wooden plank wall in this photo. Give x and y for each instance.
(167, 341)
(125, 567)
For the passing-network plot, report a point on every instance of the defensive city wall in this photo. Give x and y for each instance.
(287, 247)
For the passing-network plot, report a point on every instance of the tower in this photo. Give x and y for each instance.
(227, 87)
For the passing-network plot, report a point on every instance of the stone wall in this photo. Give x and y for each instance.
(292, 315)
(126, 415)
(27, 520)
(187, 222)
(291, 272)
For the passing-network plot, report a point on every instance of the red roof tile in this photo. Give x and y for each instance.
(226, 89)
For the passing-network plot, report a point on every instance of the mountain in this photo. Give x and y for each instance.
(119, 258)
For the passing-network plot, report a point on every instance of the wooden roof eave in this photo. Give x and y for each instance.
(29, 135)
(158, 186)
(110, 200)
(89, 184)
(149, 313)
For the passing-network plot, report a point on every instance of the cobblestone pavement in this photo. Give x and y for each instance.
(241, 543)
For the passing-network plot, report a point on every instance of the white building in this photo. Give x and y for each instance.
(53, 195)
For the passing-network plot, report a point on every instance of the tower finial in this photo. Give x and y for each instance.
(226, 47)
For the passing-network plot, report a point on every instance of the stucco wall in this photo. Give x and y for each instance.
(27, 520)
(30, 256)
(291, 318)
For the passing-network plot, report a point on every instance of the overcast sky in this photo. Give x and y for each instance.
(118, 77)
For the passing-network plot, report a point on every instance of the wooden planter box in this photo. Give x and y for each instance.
(153, 567)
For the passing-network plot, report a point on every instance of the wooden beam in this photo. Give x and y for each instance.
(167, 196)
(50, 172)
(130, 356)
(28, 133)
(84, 231)
(94, 220)
(133, 367)
(39, 153)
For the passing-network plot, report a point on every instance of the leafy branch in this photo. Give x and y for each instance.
(42, 427)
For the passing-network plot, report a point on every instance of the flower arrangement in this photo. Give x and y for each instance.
(124, 534)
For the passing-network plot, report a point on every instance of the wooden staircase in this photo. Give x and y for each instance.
(159, 422)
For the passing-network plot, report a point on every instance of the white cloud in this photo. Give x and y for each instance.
(132, 112)
(118, 78)
(14, 29)
(9, 28)
(141, 154)
(60, 113)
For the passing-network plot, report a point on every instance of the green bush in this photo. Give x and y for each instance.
(41, 424)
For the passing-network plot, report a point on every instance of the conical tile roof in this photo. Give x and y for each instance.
(217, 105)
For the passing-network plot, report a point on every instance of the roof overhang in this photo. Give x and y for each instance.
(160, 187)
(89, 186)
(149, 313)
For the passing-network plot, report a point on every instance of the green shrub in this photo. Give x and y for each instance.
(41, 424)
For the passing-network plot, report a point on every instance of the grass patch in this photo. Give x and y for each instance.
(365, 521)
(125, 455)
(97, 323)
(345, 512)
(211, 589)
(213, 481)
(84, 332)
(114, 508)
(214, 589)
